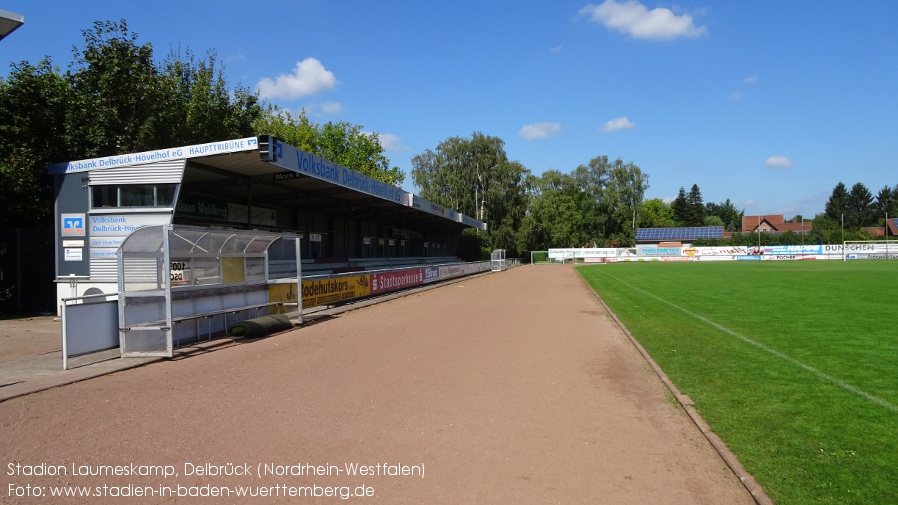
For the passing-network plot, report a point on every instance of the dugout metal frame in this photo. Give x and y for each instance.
(176, 282)
(497, 260)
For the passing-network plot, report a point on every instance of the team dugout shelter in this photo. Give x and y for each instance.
(345, 221)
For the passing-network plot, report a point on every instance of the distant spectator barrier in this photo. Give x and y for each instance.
(334, 289)
(646, 252)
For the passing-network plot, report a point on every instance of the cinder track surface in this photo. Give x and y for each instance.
(516, 387)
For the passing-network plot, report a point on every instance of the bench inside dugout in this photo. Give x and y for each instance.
(180, 284)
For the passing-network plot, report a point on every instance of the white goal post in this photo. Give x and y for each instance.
(869, 249)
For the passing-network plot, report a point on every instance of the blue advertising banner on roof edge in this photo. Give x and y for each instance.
(297, 160)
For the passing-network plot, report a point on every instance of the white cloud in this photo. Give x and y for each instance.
(750, 79)
(389, 141)
(556, 49)
(392, 142)
(330, 108)
(308, 78)
(635, 19)
(779, 162)
(736, 95)
(539, 130)
(620, 123)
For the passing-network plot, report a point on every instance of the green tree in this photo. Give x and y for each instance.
(827, 231)
(695, 210)
(474, 176)
(623, 196)
(893, 207)
(837, 205)
(112, 100)
(341, 142)
(505, 204)
(680, 208)
(197, 105)
(444, 176)
(459, 173)
(348, 145)
(32, 135)
(115, 99)
(554, 218)
(728, 214)
(860, 207)
(117, 89)
(654, 213)
(294, 129)
(598, 204)
(886, 203)
(611, 193)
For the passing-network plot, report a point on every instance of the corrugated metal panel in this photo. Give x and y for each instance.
(103, 269)
(141, 270)
(161, 172)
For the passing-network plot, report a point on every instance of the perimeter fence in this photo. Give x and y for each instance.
(674, 253)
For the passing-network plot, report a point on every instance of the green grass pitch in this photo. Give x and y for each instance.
(793, 364)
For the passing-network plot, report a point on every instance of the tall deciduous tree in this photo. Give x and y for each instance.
(654, 213)
(727, 212)
(599, 204)
(555, 217)
(32, 135)
(197, 105)
(117, 89)
(116, 99)
(348, 145)
(613, 191)
(293, 128)
(341, 142)
(474, 176)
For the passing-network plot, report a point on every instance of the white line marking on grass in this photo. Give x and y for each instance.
(818, 373)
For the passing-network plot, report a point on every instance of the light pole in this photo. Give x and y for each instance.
(759, 235)
(843, 238)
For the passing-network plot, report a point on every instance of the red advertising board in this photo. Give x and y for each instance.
(390, 281)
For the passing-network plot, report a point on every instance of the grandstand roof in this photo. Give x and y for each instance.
(687, 233)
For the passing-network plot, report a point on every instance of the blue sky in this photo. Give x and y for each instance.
(767, 103)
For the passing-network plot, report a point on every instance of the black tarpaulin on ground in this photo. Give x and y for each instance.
(261, 326)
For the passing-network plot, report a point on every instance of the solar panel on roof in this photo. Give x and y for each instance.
(679, 233)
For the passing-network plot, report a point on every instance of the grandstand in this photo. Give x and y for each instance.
(177, 244)
(345, 221)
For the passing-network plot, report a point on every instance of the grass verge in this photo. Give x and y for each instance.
(793, 364)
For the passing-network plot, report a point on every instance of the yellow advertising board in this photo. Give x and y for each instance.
(323, 291)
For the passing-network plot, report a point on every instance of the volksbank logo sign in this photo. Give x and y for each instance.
(72, 225)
